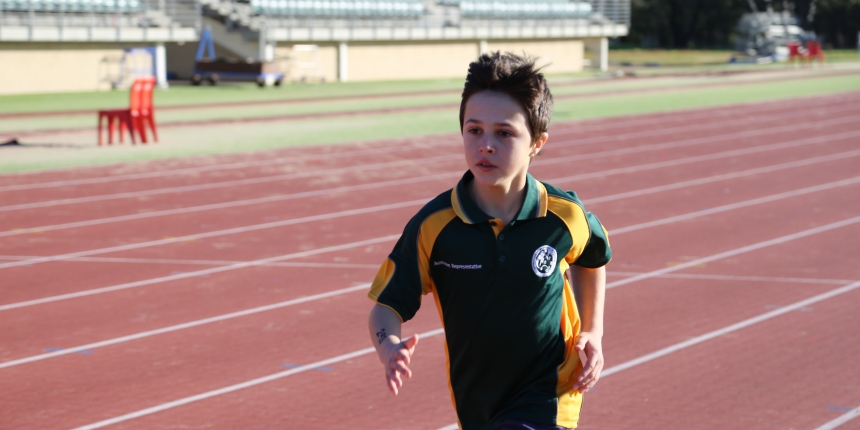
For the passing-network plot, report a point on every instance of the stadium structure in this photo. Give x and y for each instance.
(80, 45)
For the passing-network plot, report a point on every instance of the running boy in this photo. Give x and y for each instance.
(494, 251)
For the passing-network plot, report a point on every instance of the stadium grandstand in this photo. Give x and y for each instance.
(68, 45)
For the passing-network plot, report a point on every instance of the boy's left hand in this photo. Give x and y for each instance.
(590, 344)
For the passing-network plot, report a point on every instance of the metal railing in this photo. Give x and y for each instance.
(59, 14)
(446, 13)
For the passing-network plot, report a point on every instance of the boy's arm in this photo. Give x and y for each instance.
(395, 355)
(589, 290)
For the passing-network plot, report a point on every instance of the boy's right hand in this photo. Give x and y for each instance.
(395, 355)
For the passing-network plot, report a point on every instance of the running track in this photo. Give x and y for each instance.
(228, 291)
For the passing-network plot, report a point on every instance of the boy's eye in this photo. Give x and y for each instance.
(474, 130)
(505, 133)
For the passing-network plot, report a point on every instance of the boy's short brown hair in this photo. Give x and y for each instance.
(516, 76)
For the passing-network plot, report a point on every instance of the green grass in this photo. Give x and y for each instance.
(562, 85)
(702, 97)
(229, 138)
(224, 93)
(700, 57)
(673, 57)
(842, 55)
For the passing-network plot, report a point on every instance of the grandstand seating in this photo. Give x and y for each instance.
(99, 6)
(340, 8)
(522, 9)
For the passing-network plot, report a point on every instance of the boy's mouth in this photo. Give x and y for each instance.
(485, 165)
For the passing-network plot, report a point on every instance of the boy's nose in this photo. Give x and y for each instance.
(486, 147)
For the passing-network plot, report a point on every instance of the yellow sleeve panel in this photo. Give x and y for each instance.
(574, 218)
(383, 277)
(404, 277)
(430, 229)
(569, 401)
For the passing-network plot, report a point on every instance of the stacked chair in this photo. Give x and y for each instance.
(136, 118)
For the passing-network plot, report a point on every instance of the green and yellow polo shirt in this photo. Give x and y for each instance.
(508, 311)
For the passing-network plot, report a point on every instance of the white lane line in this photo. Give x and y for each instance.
(376, 266)
(733, 206)
(240, 386)
(236, 203)
(209, 168)
(190, 324)
(652, 274)
(714, 156)
(807, 141)
(725, 176)
(398, 182)
(198, 262)
(618, 231)
(748, 248)
(848, 416)
(734, 327)
(185, 275)
(450, 427)
(622, 122)
(216, 233)
(222, 184)
(605, 373)
(741, 278)
(556, 160)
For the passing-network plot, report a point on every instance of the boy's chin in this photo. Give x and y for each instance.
(492, 178)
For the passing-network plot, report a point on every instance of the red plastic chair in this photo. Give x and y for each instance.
(145, 115)
(794, 52)
(135, 118)
(813, 51)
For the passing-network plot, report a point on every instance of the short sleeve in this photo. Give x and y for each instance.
(597, 252)
(398, 285)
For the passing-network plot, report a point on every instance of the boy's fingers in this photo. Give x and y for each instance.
(395, 376)
(402, 368)
(580, 343)
(411, 342)
(403, 355)
(392, 386)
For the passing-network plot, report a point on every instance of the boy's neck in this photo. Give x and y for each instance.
(500, 201)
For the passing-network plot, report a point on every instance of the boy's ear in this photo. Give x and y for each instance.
(536, 147)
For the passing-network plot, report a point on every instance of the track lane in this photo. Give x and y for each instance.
(560, 182)
(364, 382)
(230, 282)
(781, 373)
(561, 140)
(144, 169)
(318, 234)
(614, 244)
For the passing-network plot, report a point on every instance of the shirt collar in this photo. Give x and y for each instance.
(534, 204)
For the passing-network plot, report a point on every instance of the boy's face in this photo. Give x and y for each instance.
(496, 139)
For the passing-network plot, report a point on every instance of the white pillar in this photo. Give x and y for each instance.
(161, 65)
(269, 52)
(603, 54)
(600, 47)
(342, 62)
(262, 44)
(482, 47)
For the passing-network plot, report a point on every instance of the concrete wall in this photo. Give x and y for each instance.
(56, 67)
(63, 67)
(312, 66)
(559, 56)
(373, 62)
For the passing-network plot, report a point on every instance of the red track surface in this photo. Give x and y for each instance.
(795, 370)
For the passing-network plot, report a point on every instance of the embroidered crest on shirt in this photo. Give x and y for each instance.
(543, 261)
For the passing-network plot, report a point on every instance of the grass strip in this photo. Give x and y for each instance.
(231, 138)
